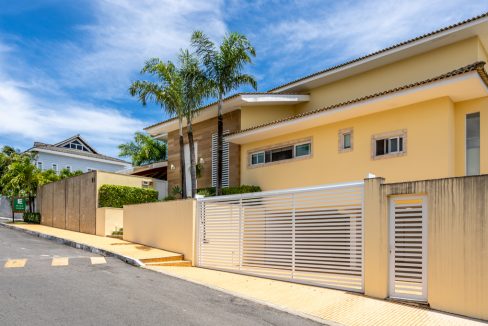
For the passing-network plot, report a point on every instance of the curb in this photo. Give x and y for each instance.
(77, 245)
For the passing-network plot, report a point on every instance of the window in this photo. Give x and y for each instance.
(390, 144)
(302, 149)
(76, 145)
(68, 168)
(39, 165)
(473, 144)
(345, 140)
(257, 158)
(281, 153)
(55, 167)
(90, 170)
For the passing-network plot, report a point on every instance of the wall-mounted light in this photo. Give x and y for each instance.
(201, 160)
(172, 167)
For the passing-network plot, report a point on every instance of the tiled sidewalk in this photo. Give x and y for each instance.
(331, 305)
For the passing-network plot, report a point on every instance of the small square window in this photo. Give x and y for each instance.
(345, 140)
(39, 165)
(68, 168)
(302, 149)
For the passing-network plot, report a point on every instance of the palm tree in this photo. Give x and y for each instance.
(167, 92)
(143, 149)
(195, 90)
(223, 67)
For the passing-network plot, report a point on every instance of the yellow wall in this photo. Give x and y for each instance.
(457, 259)
(461, 110)
(109, 219)
(258, 115)
(166, 225)
(429, 143)
(413, 69)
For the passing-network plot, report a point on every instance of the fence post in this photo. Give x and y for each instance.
(375, 239)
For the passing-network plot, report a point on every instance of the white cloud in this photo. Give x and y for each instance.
(36, 119)
(126, 33)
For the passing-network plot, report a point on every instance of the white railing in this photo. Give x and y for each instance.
(309, 235)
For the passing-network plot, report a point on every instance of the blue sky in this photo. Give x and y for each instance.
(65, 66)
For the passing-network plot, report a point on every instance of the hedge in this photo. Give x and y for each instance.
(34, 218)
(243, 189)
(118, 196)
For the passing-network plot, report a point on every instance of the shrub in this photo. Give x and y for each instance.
(34, 218)
(243, 189)
(169, 197)
(118, 196)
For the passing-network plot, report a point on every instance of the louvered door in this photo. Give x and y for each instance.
(408, 248)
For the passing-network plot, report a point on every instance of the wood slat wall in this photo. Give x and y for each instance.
(202, 133)
(70, 204)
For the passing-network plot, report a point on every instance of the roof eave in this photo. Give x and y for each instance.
(449, 87)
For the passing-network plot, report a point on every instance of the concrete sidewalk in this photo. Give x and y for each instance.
(133, 253)
(327, 305)
(334, 306)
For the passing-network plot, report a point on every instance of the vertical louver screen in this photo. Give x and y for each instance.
(408, 247)
(225, 161)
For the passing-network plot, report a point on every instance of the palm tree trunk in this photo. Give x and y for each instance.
(193, 169)
(220, 150)
(182, 162)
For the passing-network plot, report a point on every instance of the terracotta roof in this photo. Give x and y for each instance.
(225, 99)
(464, 22)
(53, 148)
(477, 66)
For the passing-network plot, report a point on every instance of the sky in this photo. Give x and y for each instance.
(65, 66)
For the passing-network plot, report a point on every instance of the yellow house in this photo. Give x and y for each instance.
(415, 110)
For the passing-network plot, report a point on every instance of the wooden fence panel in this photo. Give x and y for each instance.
(59, 204)
(47, 204)
(73, 204)
(88, 204)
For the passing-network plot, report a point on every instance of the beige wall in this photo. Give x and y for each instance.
(108, 220)
(166, 225)
(257, 115)
(410, 70)
(461, 110)
(429, 150)
(457, 241)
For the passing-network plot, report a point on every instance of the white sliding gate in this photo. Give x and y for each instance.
(311, 235)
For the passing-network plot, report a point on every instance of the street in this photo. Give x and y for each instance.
(87, 289)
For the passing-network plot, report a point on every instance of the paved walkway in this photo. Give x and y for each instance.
(332, 305)
(116, 246)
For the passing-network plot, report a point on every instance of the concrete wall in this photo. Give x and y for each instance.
(48, 159)
(166, 225)
(109, 219)
(457, 265)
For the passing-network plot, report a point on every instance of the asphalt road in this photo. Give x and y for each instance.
(111, 293)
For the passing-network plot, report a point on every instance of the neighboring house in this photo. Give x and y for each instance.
(415, 110)
(74, 154)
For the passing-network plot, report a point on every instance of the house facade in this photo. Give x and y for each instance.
(74, 154)
(413, 111)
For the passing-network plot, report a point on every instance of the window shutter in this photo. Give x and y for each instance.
(225, 161)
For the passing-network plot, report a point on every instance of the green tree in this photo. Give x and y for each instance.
(166, 91)
(195, 90)
(19, 179)
(224, 67)
(143, 149)
(66, 173)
